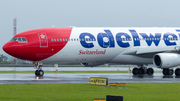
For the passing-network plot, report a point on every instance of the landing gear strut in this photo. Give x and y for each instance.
(39, 71)
(142, 70)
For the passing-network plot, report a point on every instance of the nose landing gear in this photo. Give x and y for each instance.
(39, 71)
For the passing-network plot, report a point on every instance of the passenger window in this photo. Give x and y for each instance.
(77, 39)
(60, 39)
(63, 40)
(54, 39)
(71, 39)
(57, 39)
(51, 39)
(74, 39)
(66, 39)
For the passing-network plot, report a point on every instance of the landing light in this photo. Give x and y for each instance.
(37, 77)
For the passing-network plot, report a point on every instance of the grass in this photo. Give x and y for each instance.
(71, 72)
(87, 92)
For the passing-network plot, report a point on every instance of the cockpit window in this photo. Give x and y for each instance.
(14, 39)
(24, 39)
(19, 39)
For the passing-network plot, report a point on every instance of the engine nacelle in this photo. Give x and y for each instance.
(166, 60)
(92, 64)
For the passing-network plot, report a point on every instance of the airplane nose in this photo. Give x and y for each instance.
(4, 48)
(8, 48)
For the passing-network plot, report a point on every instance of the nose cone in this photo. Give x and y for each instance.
(12, 49)
(15, 49)
(9, 49)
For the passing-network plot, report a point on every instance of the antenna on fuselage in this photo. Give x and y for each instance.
(14, 24)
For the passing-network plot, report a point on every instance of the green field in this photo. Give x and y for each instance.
(87, 92)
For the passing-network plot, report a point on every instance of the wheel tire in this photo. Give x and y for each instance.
(41, 72)
(135, 71)
(37, 72)
(171, 72)
(150, 71)
(165, 71)
(141, 71)
(177, 72)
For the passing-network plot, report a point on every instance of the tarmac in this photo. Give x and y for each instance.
(60, 78)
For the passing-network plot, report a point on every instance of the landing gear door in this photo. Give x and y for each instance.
(43, 39)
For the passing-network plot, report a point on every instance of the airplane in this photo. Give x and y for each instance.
(93, 46)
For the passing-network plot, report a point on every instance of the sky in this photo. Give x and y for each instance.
(32, 14)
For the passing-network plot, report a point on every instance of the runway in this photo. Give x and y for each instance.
(84, 78)
(59, 78)
(70, 69)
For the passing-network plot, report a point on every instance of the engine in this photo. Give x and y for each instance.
(166, 60)
(92, 64)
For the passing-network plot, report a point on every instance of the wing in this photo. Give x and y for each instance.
(149, 52)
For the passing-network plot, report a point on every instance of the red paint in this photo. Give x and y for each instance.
(39, 45)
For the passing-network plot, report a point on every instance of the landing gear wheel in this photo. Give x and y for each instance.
(39, 72)
(171, 71)
(150, 71)
(141, 71)
(168, 71)
(177, 72)
(135, 71)
(165, 71)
